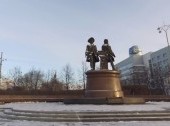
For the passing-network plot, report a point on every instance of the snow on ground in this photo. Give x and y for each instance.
(131, 123)
(39, 106)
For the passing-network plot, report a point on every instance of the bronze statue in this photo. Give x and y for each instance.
(91, 53)
(109, 53)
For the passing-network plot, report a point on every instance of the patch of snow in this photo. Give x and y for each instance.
(59, 106)
(121, 123)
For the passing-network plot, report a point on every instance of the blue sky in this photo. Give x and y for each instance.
(47, 34)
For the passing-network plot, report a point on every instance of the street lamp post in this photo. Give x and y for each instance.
(165, 29)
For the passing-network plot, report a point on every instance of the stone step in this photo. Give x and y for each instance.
(9, 113)
(78, 119)
(85, 115)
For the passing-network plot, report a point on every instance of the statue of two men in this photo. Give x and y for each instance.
(92, 53)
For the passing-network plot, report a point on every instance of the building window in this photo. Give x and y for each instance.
(164, 61)
(164, 55)
(160, 62)
(153, 58)
(154, 64)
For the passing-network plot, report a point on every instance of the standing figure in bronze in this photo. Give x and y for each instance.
(91, 53)
(109, 53)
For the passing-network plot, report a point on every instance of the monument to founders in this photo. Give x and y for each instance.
(104, 82)
(103, 85)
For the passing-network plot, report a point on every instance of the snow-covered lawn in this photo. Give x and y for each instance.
(39, 106)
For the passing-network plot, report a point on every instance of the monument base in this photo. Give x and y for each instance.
(103, 84)
(111, 101)
(103, 87)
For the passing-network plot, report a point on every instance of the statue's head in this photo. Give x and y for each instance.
(105, 41)
(91, 40)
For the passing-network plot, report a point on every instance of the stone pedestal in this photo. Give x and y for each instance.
(103, 84)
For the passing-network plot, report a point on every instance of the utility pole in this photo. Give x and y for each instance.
(1, 61)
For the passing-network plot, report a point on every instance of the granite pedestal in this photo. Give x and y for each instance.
(103, 84)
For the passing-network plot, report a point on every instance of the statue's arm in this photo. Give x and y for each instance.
(111, 52)
(102, 48)
(95, 49)
(87, 50)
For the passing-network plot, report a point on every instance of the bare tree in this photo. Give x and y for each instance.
(158, 75)
(52, 83)
(33, 79)
(67, 75)
(16, 75)
(49, 75)
(55, 84)
(83, 71)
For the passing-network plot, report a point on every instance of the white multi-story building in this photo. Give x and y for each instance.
(160, 67)
(161, 61)
(134, 69)
(153, 67)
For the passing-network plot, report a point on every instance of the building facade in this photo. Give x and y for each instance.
(134, 70)
(152, 68)
(160, 68)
